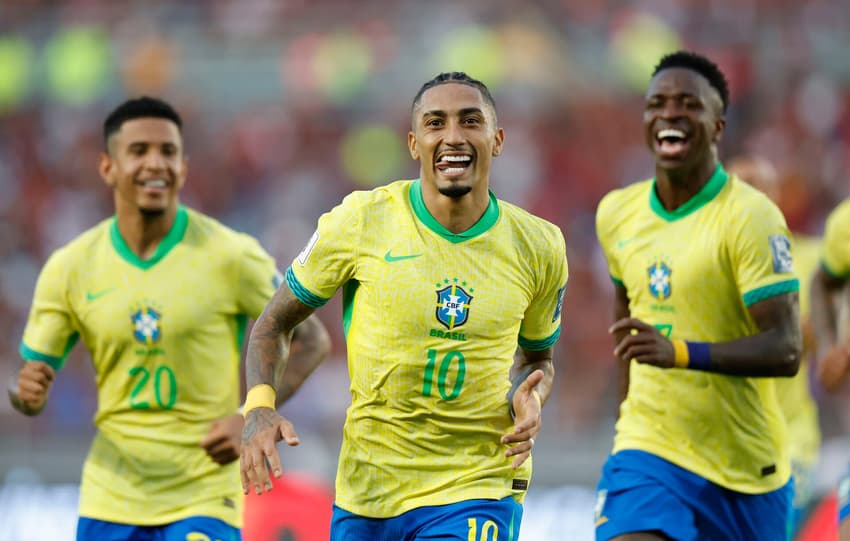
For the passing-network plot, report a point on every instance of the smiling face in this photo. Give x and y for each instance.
(145, 166)
(454, 138)
(683, 119)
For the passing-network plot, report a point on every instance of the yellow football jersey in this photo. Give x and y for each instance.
(836, 241)
(692, 273)
(796, 401)
(432, 321)
(165, 338)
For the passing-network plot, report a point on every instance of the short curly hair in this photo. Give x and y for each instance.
(455, 77)
(142, 107)
(700, 64)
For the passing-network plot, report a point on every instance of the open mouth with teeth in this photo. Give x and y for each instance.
(671, 143)
(453, 165)
(154, 185)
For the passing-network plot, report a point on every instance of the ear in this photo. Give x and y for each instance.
(719, 127)
(106, 167)
(183, 173)
(498, 141)
(411, 145)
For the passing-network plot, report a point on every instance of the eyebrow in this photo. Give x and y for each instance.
(464, 111)
(679, 95)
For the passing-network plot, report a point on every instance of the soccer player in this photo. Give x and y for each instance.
(159, 294)
(795, 400)
(706, 318)
(441, 281)
(829, 313)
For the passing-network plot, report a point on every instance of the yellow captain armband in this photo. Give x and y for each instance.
(259, 396)
(682, 356)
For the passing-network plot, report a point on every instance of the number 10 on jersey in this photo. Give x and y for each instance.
(446, 364)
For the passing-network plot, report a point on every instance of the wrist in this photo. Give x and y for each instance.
(259, 396)
(692, 355)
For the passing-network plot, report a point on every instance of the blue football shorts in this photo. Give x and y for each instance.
(843, 494)
(640, 492)
(481, 520)
(190, 529)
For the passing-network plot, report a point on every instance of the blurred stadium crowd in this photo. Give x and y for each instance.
(290, 104)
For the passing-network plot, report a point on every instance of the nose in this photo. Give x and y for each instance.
(671, 109)
(453, 133)
(155, 161)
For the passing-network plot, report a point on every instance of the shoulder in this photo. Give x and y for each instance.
(617, 207)
(747, 202)
(390, 193)
(839, 216)
(83, 246)
(631, 195)
(204, 230)
(537, 231)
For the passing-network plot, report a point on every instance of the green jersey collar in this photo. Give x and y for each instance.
(701, 198)
(171, 239)
(487, 220)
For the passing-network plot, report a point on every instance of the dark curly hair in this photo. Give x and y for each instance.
(143, 107)
(700, 64)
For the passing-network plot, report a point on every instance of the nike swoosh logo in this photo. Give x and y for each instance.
(98, 294)
(601, 521)
(389, 258)
(621, 243)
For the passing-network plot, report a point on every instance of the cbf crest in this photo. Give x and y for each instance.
(659, 274)
(453, 303)
(147, 325)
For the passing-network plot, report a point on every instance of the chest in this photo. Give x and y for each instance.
(662, 260)
(118, 303)
(437, 287)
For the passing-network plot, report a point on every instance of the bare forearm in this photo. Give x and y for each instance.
(309, 348)
(268, 346)
(268, 351)
(772, 353)
(824, 315)
(526, 362)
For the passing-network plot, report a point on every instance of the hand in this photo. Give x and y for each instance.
(264, 427)
(643, 343)
(223, 441)
(527, 408)
(28, 393)
(833, 367)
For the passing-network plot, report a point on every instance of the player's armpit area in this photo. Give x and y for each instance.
(774, 351)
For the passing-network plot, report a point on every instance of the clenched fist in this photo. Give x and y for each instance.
(28, 392)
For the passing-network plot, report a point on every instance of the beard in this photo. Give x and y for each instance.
(455, 191)
(149, 213)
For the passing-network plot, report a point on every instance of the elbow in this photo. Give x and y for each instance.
(789, 357)
(319, 339)
(323, 343)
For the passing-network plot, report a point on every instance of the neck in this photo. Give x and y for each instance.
(676, 186)
(143, 233)
(455, 214)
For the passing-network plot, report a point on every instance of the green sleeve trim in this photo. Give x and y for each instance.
(302, 293)
(348, 292)
(617, 282)
(829, 271)
(540, 345)
(241, 327)
(772, 290)
(56, 363)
